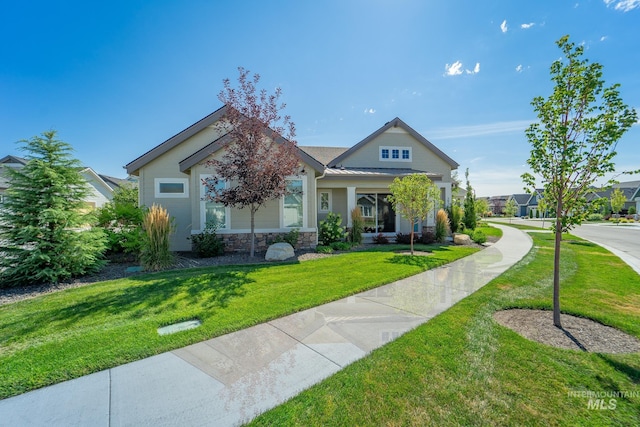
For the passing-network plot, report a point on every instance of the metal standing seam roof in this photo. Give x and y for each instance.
(380, 172)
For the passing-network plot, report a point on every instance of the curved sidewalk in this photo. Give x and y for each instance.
(231, 379)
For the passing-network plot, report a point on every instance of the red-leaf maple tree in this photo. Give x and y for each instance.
(261, 152)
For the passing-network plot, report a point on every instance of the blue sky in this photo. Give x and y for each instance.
(117, 78)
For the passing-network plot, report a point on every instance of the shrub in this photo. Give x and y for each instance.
(442, 225)
(380, 239)
(357, 226)
(595, 217)
(331, 229)
(157, 227)
(455, 217)
(121, 220)
(537, 213)
(324, 249)
(479, 237)
(340, 246)
(291, 238)
(207, 244)
(405, 239)
(632, 210)
(428, 237)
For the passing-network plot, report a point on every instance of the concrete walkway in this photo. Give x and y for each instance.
(230, 379)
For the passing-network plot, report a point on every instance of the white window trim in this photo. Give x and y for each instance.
(305, 214)
(390, 158)
(203, 206)
(159, 195)
(330, 193)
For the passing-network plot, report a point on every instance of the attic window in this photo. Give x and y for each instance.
(395, 154)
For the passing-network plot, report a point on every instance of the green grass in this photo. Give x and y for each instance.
(489, 230)
(463, 368)
(75, 332)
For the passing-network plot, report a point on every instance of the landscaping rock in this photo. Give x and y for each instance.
(461, 239)
(279, 252)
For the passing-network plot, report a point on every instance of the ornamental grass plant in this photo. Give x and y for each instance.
(157, 225)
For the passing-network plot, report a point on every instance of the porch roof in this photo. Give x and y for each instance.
(377, 172)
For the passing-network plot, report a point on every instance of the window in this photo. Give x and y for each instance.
(293, 206)
(398, 154)
(377, 212)
(166, 188)
(212, 213)
(324, 201)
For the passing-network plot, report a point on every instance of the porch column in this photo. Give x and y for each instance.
(351, 203)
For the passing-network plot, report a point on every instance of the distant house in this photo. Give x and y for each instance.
(5, 163)
(522, 200)
(100, 186)
(630, 189)
(497, 204)
(334, 179)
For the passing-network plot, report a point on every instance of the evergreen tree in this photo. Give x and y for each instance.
(42, 224)
(469, 205)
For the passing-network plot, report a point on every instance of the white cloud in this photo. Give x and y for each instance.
(477, 130)
(603, 38)
(519, 68)
(369, 111)
(475, 70)
(503, 26)
(623, 5)
(453, 69)
(527, 26)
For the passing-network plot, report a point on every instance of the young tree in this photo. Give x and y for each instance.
(261, 152)
(617, 200)
(511, 208)
(469, 205)
(414, 196)
(574, 142)
(482, 206)
(42, 220)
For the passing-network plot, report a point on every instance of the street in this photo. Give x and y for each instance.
(622, 240)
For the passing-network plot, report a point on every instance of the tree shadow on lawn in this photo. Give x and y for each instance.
(631, 372)
(146, 295)
(424, 261)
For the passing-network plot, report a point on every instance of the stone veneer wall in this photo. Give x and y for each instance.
(241, 242)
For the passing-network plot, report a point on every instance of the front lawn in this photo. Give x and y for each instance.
(75, 332)
(463, 368)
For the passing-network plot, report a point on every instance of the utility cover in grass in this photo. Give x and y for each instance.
(179, 327)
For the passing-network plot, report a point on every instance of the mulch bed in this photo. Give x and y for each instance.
(577, 333)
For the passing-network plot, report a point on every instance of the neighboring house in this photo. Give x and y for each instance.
(8, 162)
(522, 200)
(497, 204)
(100, 186)
(630, 189)
(333, 180)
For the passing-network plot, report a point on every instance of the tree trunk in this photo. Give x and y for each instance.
(253, 232)
(411, 237)
(556, 268)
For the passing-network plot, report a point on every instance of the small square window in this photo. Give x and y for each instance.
(385, 153)
(406, 155)
(395, 153)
